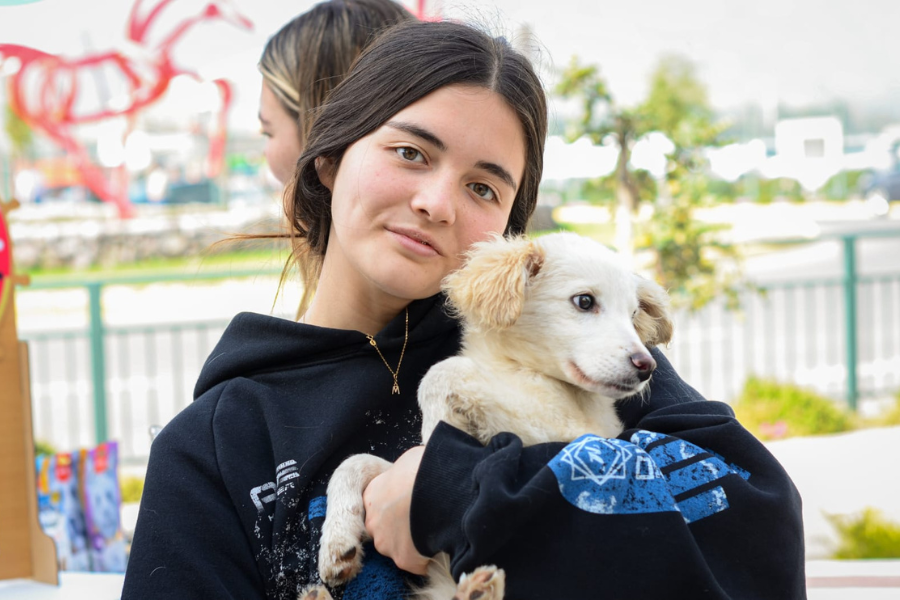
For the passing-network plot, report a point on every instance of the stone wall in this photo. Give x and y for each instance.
(84, 240)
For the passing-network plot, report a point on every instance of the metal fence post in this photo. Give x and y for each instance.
(98, 361)
(850, 282)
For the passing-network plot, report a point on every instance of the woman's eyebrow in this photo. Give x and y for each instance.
(492, 168)
(499, 172)
(419, 132)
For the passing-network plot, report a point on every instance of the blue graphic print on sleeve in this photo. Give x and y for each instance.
(610, 476)
(649, 473)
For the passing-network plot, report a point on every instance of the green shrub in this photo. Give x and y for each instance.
(765, 191)
(132, 487)
(888, 418)
(892, 416)
(772, 410)
(867, 535)
(842, 186)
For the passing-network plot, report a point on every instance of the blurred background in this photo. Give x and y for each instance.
(745, 155)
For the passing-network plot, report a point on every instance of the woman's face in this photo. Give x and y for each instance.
(410, 198)
(282, 135)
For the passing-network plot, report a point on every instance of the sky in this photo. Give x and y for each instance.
(762, 52)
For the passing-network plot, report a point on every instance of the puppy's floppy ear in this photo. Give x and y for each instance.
(653, 321)
(488, 291)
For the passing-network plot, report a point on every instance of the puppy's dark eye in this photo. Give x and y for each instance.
(584, 302)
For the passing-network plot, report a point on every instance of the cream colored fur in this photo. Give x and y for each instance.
(532, 363)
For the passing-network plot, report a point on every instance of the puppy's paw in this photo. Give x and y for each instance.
(340, 558)
(484, 583)
(318, 592)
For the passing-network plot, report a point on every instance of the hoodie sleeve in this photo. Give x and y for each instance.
(684, 503)
(189, 540)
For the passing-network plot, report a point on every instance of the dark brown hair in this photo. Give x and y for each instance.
(405, 64)
(312, 53)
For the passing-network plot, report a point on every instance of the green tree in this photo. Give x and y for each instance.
(691, 259)
(602, 117)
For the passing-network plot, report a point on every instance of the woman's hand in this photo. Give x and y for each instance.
(387, 500)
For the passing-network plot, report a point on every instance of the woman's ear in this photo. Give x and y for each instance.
(488, 291)
(326, 171)
(653, 321)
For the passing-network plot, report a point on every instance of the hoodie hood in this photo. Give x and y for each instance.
(253, 343)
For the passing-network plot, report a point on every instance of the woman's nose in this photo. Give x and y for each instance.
(436, 200)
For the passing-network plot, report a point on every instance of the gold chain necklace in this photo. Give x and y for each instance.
(394, 373)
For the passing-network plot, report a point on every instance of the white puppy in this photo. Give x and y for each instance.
(555, 330)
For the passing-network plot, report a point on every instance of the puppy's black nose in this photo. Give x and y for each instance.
(645, 365)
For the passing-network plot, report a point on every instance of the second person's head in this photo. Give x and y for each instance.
(304, 61)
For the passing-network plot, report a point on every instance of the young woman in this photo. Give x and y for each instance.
(435, 141)
(304, 61)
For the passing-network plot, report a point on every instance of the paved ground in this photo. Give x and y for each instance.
(842, 474)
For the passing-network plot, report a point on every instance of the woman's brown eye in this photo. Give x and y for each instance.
(410, 154)
(482, 190)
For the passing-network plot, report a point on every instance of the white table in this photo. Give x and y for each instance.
(855, 579)
(828, 579)
(72, 586)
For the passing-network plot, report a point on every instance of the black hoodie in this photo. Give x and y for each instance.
(235, 492)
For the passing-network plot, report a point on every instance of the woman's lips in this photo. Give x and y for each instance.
(415, 242)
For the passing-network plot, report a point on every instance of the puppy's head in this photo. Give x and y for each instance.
(488, 292)
(599, 317)
(565, 306)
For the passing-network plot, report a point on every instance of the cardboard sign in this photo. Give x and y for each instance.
(27, 553)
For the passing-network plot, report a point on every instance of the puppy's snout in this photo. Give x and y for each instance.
(645, 365)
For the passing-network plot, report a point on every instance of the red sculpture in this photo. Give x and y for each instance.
(420, 12)
(6, 265)
(45, 89)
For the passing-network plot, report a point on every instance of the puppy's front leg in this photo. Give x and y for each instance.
(454, 391)
(344, 530)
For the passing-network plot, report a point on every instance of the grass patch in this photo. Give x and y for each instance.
(272, 259)
(866, 535)
(773, 410)
(602, 232)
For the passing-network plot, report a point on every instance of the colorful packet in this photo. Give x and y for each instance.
(101, 498)
(60, 512)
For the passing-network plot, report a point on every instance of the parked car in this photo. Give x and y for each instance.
(205, 191)
(880, 188)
